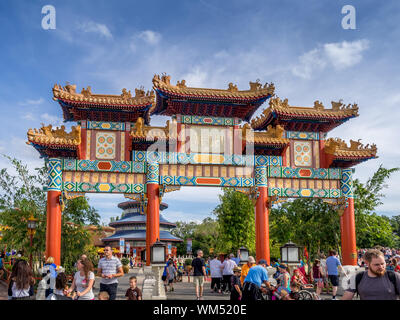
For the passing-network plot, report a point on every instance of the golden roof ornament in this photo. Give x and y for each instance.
(48, 135)
(232, 87)
(338, 146)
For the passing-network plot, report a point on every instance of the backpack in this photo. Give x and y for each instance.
(391, 276)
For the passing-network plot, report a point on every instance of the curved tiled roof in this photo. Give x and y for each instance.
(134, 204)
(140, 235)
(137, 218)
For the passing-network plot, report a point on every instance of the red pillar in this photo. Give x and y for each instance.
(348, 235)
(262, 225)
(53, 232)
(153, 207)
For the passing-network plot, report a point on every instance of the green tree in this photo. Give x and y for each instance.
(235, 216)
(22, 195)
(183, 230)
(307, 222)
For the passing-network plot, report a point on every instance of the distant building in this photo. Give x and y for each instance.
(132, 227)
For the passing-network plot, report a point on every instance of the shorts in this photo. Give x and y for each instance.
(163, 278)
(199, 280)
(334, 280)
(319, 282)
(170, 280)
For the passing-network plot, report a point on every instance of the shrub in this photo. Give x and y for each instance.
(188, 262)
(125, 261)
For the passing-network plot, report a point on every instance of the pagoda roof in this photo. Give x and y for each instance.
(137, 218)
(134, 204)
(141, 235)
(231, 102)
(345, 156)
(101, 107)
(315, 119)
(51, 142)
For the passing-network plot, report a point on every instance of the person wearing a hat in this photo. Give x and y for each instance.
(246, 267)
(236, 286)
(252, 283)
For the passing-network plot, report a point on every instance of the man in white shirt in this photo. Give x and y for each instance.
(216, 274)
(227, 272)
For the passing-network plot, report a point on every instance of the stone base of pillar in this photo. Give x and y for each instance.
(344, 278)
(159, 289)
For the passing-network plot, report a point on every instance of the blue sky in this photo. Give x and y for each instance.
(299, 45)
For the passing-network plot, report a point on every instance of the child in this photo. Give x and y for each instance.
(133, 293)
(236, 291)
(61, 288)
(103, 295)
(170, 275)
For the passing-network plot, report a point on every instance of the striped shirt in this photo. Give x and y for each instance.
(109, 266)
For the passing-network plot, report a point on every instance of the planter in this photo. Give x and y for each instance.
(125, 268)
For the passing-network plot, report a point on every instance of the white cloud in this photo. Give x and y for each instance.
(339, 55)
(345, 54)
(149, 36)
(93, 27)
(32, 102)
(28, 116)
(50, 119)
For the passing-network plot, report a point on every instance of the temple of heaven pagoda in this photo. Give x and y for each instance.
(132, 228)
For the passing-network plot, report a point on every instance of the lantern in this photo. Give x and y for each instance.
(157, 253)
(243, 254)
(32, 225)
(290, 253)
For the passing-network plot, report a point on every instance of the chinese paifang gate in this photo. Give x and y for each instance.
(284, 153)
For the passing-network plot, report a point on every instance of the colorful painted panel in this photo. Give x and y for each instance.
(54, 175)
(304, 193)
(215, 121)
(260, 176)
(101, 125)
(105, 145)
(346, 184)
(103, 187)
(307, 173)
(152, 175)
(106, 165)
(206, 181)
(205, 158)
(302, 135)
(302, 153)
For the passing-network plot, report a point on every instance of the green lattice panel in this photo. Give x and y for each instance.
(300, 135)
(206, 181)
(104, 125)
(103, 187)
(304, 173)
(305, 193)
(54, 175)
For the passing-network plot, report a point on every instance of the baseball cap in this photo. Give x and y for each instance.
(262, 261)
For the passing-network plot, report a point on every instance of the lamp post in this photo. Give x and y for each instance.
(243, 255)
(290, 253)
(157, 253)
(32, 225)
(157, 260)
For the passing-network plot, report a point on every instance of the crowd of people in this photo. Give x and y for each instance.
(250, 282)
(21, 280)
(243, 282)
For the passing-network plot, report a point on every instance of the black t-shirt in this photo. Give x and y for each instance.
(235, 280)
(198, 264)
